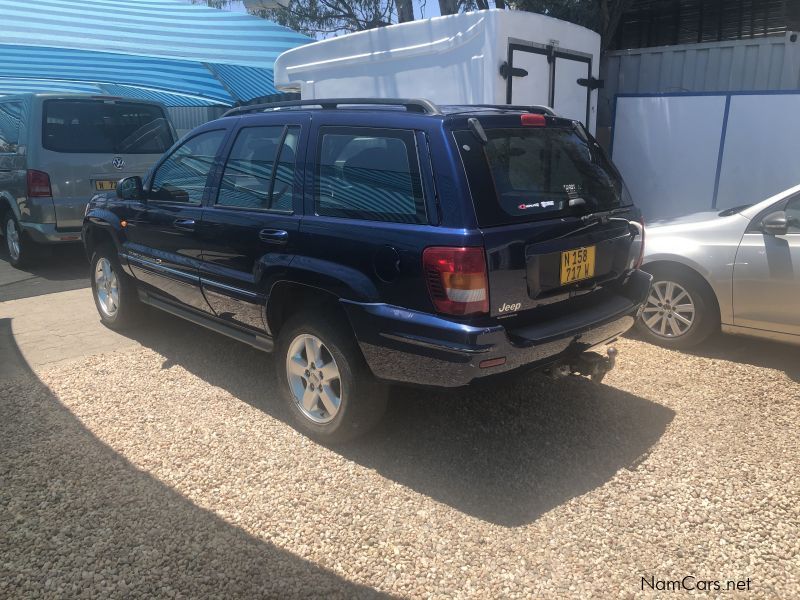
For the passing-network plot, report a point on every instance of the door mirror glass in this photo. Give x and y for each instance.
(775, 223)
(130, 188)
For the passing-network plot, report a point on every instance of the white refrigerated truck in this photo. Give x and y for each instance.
(483, 57)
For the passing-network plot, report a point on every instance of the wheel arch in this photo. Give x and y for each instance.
(98, 230)
(8, 204)
(665, 265)
(288, 297)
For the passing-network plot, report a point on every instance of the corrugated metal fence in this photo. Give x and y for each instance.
(770, 63)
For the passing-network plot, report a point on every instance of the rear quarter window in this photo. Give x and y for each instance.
(370, 174)
(10, 126)
(105, 127)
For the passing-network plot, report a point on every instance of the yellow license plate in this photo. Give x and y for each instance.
(104, 185)
(577, 264)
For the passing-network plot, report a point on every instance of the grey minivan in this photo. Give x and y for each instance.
(58, 150)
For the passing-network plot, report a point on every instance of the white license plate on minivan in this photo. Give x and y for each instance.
(105, 185)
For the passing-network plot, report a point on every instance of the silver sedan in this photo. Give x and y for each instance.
(738, 269)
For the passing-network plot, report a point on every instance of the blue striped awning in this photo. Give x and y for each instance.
(187, 52)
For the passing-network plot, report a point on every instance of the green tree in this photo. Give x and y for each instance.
(322, 18)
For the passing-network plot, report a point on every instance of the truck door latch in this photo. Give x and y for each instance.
(593, 83)
(515, 71)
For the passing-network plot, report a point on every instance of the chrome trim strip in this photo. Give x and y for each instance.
(230, 288)
(156, 267)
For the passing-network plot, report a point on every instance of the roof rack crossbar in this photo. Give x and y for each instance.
(416, 105)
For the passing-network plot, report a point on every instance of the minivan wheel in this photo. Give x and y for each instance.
(324, 381)
(17, 243)
(679, 311)
(114, 293)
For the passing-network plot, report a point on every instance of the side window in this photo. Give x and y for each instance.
(10, 124)
(370, 174)
(182, 176)
(259, 173)
(793, 214)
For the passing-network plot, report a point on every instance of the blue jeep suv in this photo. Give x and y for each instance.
(369, 241)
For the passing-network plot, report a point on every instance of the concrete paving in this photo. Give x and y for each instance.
(43, 330)
(56, 270)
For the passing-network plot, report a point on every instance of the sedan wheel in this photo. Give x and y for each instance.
(669, 311)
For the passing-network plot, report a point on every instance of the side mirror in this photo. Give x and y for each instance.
(775, 223)
(130, 188)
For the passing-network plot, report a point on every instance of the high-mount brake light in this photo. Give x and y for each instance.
(533, 120)
(457, 280)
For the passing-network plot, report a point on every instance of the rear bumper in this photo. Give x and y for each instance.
(48, 233)
(411, 347)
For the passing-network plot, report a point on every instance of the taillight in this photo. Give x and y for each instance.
(38, 184)
(533, 120)
(457, 280)
(641, 250)
(638, 240)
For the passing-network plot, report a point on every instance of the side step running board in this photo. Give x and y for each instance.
(253, 339)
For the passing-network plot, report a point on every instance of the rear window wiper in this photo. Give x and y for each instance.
(604, 215)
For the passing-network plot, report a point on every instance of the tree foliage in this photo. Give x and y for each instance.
(323, 18)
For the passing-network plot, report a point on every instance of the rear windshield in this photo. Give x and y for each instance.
(105, 127)
(526, 174)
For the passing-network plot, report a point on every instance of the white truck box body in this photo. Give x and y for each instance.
(455, 59)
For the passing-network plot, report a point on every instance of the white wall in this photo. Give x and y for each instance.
(687, 153)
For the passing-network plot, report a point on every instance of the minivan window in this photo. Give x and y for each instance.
(105, 127)
(182, 176)
(251, 178)
(10, 124)
(523, 174)
(370, 174)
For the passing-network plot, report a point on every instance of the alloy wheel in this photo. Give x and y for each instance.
(669, 311)
(314, 379)
(12, 239)
(106, 287)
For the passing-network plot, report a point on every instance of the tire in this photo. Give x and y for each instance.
(18, 245)
(678, 296)
(124, 307)
(361, 398)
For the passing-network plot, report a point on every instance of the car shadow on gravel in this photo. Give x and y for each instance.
(747, 351)
(504, 451)
(77, 519)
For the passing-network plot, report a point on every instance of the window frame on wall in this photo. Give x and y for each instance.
(285, 129)
(409, 139)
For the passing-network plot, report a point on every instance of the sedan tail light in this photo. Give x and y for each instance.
(641, 249)
(38, 184)
(457, 280)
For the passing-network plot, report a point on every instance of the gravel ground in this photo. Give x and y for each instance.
(169, 471)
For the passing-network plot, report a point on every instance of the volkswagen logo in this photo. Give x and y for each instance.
(118, 162)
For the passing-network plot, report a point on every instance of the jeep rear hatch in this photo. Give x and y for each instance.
(554, 212)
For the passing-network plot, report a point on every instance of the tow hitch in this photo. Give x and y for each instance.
(589, 364)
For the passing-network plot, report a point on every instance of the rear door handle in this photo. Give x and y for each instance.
(184, 224)
(273, 236)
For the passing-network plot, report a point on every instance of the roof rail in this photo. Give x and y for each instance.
(416, 105)
(534, 108)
